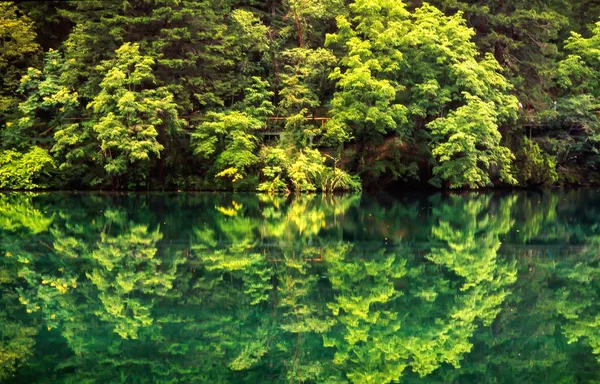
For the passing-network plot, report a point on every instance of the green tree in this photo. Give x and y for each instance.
(365, 108)
(466, 144)
(449, 83)
(18, 49)
(523, 39)
(534, 166)
(424, 68)
(23, 171)
(580, 85)
(128, 112)
(49, 117)
(230, 137)
(205, 54)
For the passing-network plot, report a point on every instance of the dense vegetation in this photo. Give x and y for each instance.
(247, 288)
(298, 95)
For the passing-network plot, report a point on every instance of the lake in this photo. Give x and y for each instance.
(243, 288)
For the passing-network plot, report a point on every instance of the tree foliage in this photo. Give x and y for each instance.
(24, 170)
(237, 94)
(129, 112)
(18, 47)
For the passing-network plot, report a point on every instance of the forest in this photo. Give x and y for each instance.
(285, 96)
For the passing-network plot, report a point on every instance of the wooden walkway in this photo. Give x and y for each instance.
(270, 131)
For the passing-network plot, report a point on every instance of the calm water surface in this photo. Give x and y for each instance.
(230, 288)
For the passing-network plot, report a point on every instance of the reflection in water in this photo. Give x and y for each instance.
(251, 288)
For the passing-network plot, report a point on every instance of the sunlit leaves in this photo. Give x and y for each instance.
(230, 137)
(304, 171)
(535, 166)
(22, 171)
(467, 145)
(128, 116)
(404, 71)
(17, 48)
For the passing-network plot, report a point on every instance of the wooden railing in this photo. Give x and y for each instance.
(267, 131)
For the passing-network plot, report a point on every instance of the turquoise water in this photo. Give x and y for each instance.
(224, 288)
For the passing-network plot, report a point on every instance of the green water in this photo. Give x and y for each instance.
(223, 288)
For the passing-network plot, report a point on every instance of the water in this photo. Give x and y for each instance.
(472, 288)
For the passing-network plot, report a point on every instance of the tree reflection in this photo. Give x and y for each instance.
(252, 288)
